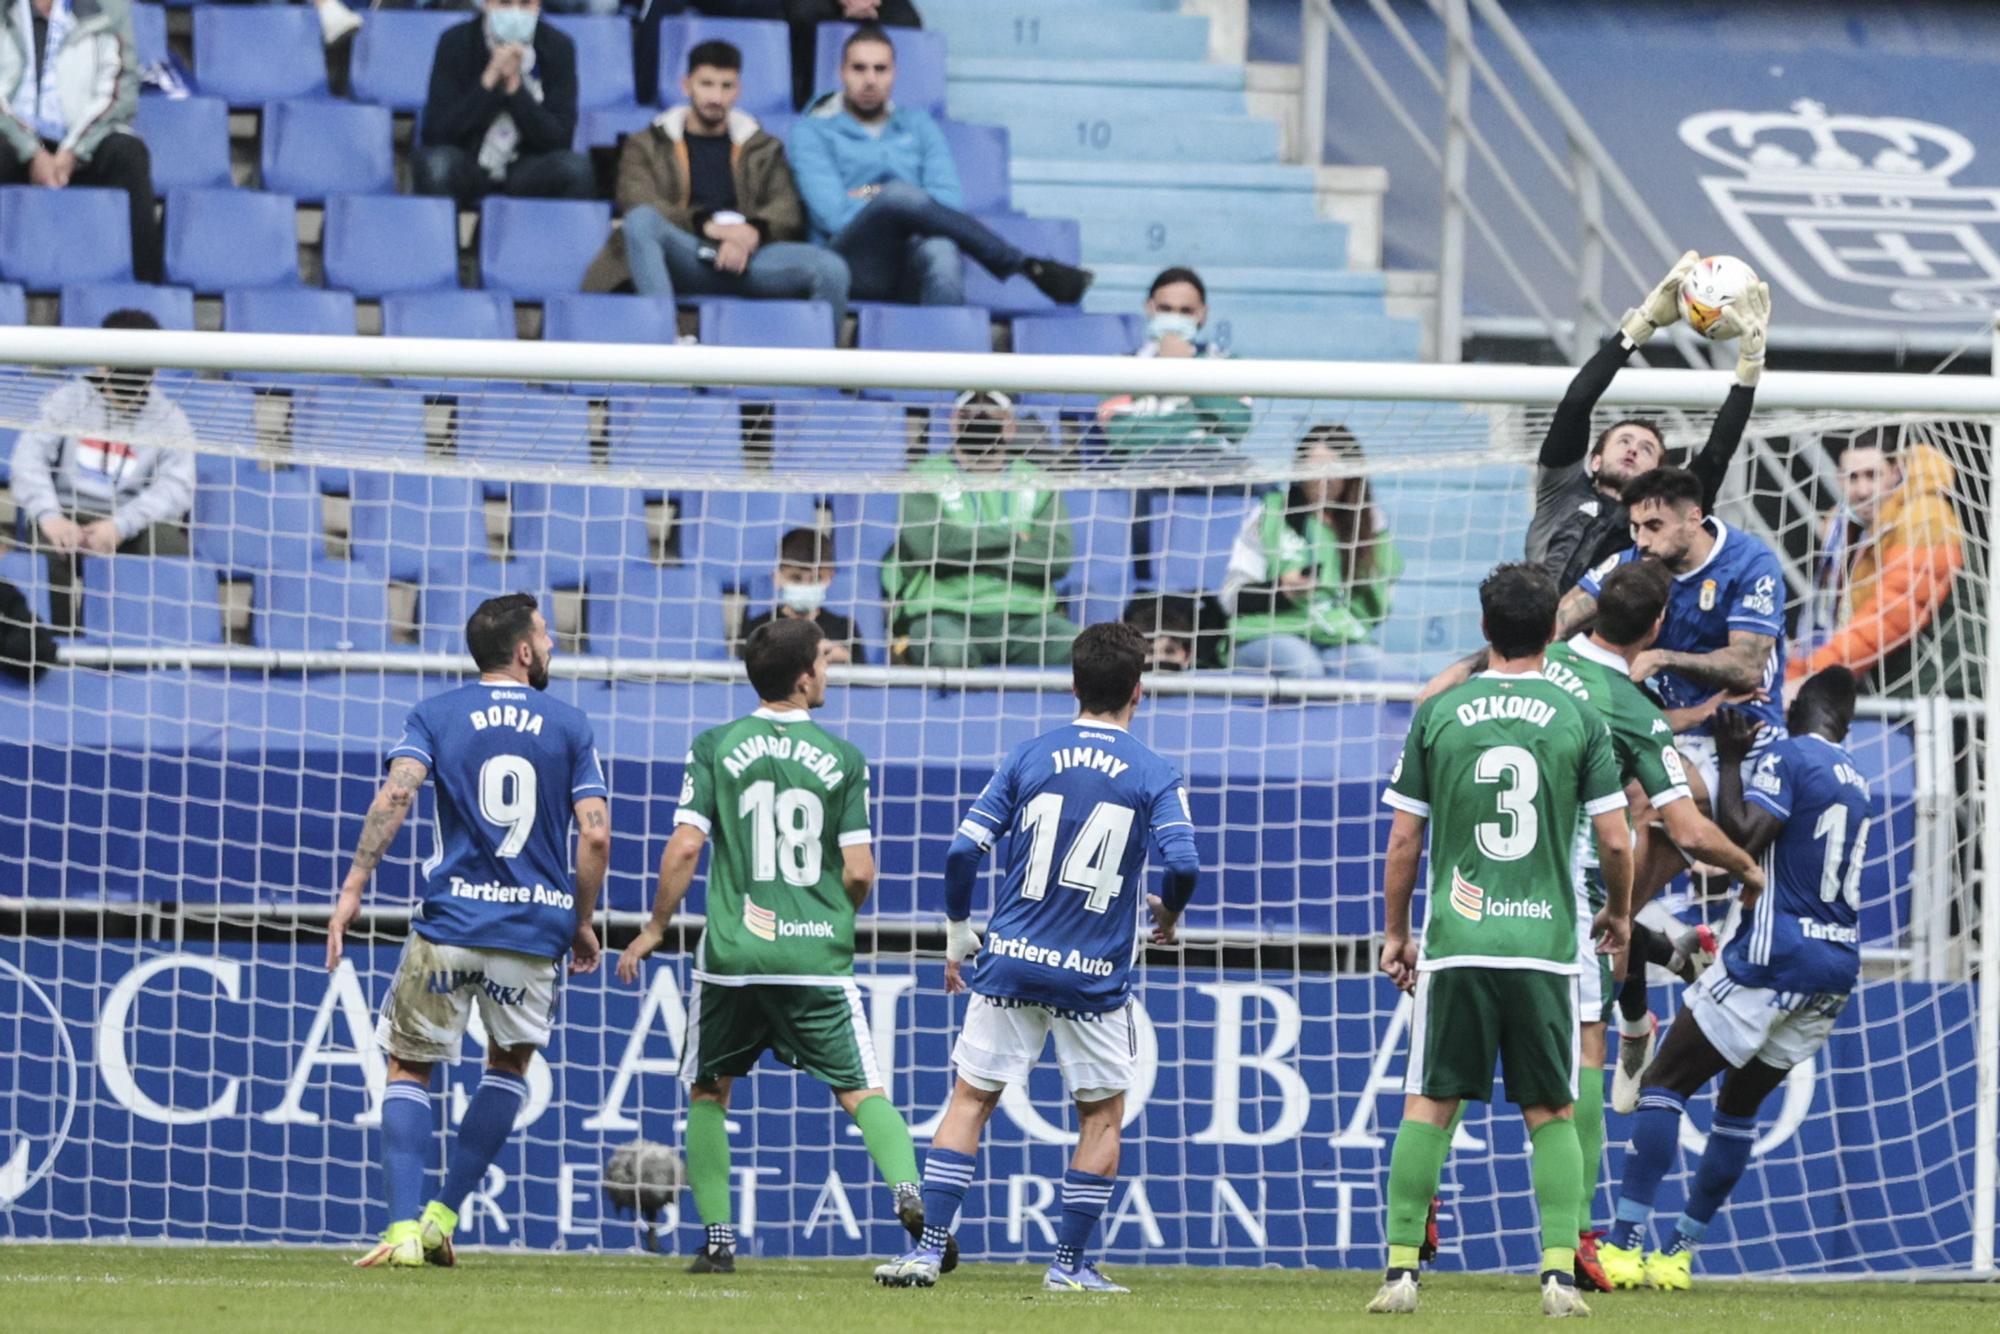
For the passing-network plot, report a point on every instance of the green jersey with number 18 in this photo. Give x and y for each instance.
(1503, 767)
(778, 797)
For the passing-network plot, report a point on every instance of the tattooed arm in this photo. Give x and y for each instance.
(385, 816)
(593, 854)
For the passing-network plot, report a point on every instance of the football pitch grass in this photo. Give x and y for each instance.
(225, 1289)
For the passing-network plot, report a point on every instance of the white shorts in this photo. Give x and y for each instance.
(436, 987)
(1698, 749)
(1003, 1039)
(1779, 1028)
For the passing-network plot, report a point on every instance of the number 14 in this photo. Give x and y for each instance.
(1092, 863)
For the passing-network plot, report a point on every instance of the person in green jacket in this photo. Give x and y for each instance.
(972, 576)
(1309, 576)
(1187, 429)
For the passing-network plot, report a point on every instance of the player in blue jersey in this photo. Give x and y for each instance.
(497, 912)
(1770, 1000)
(1078, 806)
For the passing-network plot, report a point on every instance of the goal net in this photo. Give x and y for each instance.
(180, 795)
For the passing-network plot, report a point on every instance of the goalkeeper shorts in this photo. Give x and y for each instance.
(1003, 1039)
(1745, 1024)
(1467, 1019)
(436, 987)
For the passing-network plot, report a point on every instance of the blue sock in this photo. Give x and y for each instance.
(1655, 1132)
(1084, 1199)
(1730, 1140)
(407, 1124)
(489, 1118)
(1687, 1235)
(947, 1176)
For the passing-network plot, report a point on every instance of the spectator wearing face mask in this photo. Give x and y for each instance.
(501, 111)
(85, 484)
(978, 554)
(805, 570)
(1182, 633)
(1190, 427)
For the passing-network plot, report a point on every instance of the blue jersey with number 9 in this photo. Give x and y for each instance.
(1078, 807)
(509, 763)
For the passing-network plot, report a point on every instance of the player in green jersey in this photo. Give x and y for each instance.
(1500, 768)
(785, 804)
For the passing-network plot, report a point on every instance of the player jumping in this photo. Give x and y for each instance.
(1771, 999)
(1502, 768)
(498, 911)
(786, 803)
(1079, 806)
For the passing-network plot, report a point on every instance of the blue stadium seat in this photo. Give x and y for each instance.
(328, 606)
(29, 572)
(892, 328)
(315, 149)
(981, 154)
(920, 57)
(406, 526)
(222, 413)
(1431, 620)
(1192, 533)
(602, 317)
(767, 59)
(538, 248)
(187, 139)
(1072, 336)
(667, 431)
(288, 310)
(1045, 238)
(572, 532)
(603, 127)
(52, 237)
(861, 436)
(448, 315)
(603, 57)
(255, 521)
(377, 244)
(391, 64)
(84, 305)
(731, 323)
(1101, 578)
(252, 54)
(149, 37)
(864, 532)
(326, 418)
(736, 532)
(232, 238)
(643, 610)
(150, 600)
(445, 604)
(13, 304)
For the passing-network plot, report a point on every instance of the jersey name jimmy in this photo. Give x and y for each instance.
(524, 721)
(796, 749)
(1507, 708)
(1087, 757)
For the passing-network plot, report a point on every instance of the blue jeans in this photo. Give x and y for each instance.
(664, 263)
(904, 246)
(1289, 655)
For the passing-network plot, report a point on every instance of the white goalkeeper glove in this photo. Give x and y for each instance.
(1748, 321)
(1662, 305)
(961, 942)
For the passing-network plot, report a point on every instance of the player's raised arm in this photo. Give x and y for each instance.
(1750, 316)
(1755, 822)
(1737, 667)
(385, 817)
(1173, 840)
(593, 856)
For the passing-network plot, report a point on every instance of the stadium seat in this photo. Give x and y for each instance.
(13, 304)
(49, 238)
(327, 420)
(571, 532)
(222, 412)
(603, 127)
(232, 238)
(29, 572)
(891, 328)
(391, 63)
(149, 39)
(920, 55)
(84, 305)
(1191, 534)
(406, 526)
(187, 139)
(1101, 578)
(767, 59)
(1048, 238)
(252, 54)
(603, 57)
(1072, 336)
(864, 531)
(254, 521)
(860, 436)
(447, 315)
(538, 248)
(1431, 620)
(731, 323)
(150, 600)
(444, 604)
(669, 433)
(314, 149)
(378, 244)
(328, 606)
(643, 610)
(282, 310)
(601, 317)
(981, 154)
(736, 532)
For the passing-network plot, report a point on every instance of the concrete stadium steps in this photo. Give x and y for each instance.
(1207, 239)
(983, 87)
(1275, 312)
(1070, 31)
(1247, 193)
(1122, 136)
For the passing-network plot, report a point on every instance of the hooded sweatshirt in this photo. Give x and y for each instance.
(833, 153)
(139, 470)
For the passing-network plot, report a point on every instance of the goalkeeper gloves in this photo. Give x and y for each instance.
(1749, 316)
(961, 942)
(1662, 305)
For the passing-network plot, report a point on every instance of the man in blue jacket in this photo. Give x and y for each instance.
(882, 192)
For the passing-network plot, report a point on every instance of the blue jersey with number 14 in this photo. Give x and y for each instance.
(1078, 806)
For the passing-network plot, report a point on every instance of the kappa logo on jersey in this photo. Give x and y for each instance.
(1660, 725)
(1766, 779)
(760, 922)
(1763, 599)
(1468, 898)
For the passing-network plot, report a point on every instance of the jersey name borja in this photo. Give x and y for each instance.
(1078, 807)
(508, 763)
(1804, 933)
(1739, 587)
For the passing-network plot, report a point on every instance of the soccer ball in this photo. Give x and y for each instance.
(643, 1178)
(1709, 292)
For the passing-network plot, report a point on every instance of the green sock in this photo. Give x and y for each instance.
(1557, 1165)
(1415, 1165)
(887, 1136)
(708, 1160)
(1589, 1114)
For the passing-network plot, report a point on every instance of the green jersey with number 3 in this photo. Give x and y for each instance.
(1502, 767)
(778, 797)
(1640, 736)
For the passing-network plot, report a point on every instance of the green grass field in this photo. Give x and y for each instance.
(226, 1289)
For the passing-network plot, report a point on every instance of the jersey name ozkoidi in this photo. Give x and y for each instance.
(508, 763)
(778, 797)
(1641, 740)
(1503, 767)
(1078, 806)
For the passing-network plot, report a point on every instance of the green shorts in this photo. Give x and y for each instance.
(820, 1030)
(1467, 1017)
(1599, 999)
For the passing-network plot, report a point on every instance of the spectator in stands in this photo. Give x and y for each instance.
(710, 204)
(1309, 575)
(69, 70)
(805, 16)
(1206, 427)
(1883, 603)
(1181, 632)
(973, 572)
(805, 571)
(501, 111)
(882, 190)
(89, 487)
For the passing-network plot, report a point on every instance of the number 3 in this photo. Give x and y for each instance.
(1523, 777)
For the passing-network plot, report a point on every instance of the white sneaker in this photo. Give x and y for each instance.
(1397, 1297)
(918, 1269)
(1634, 1055)
(336, 20)
(1561, 1300)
